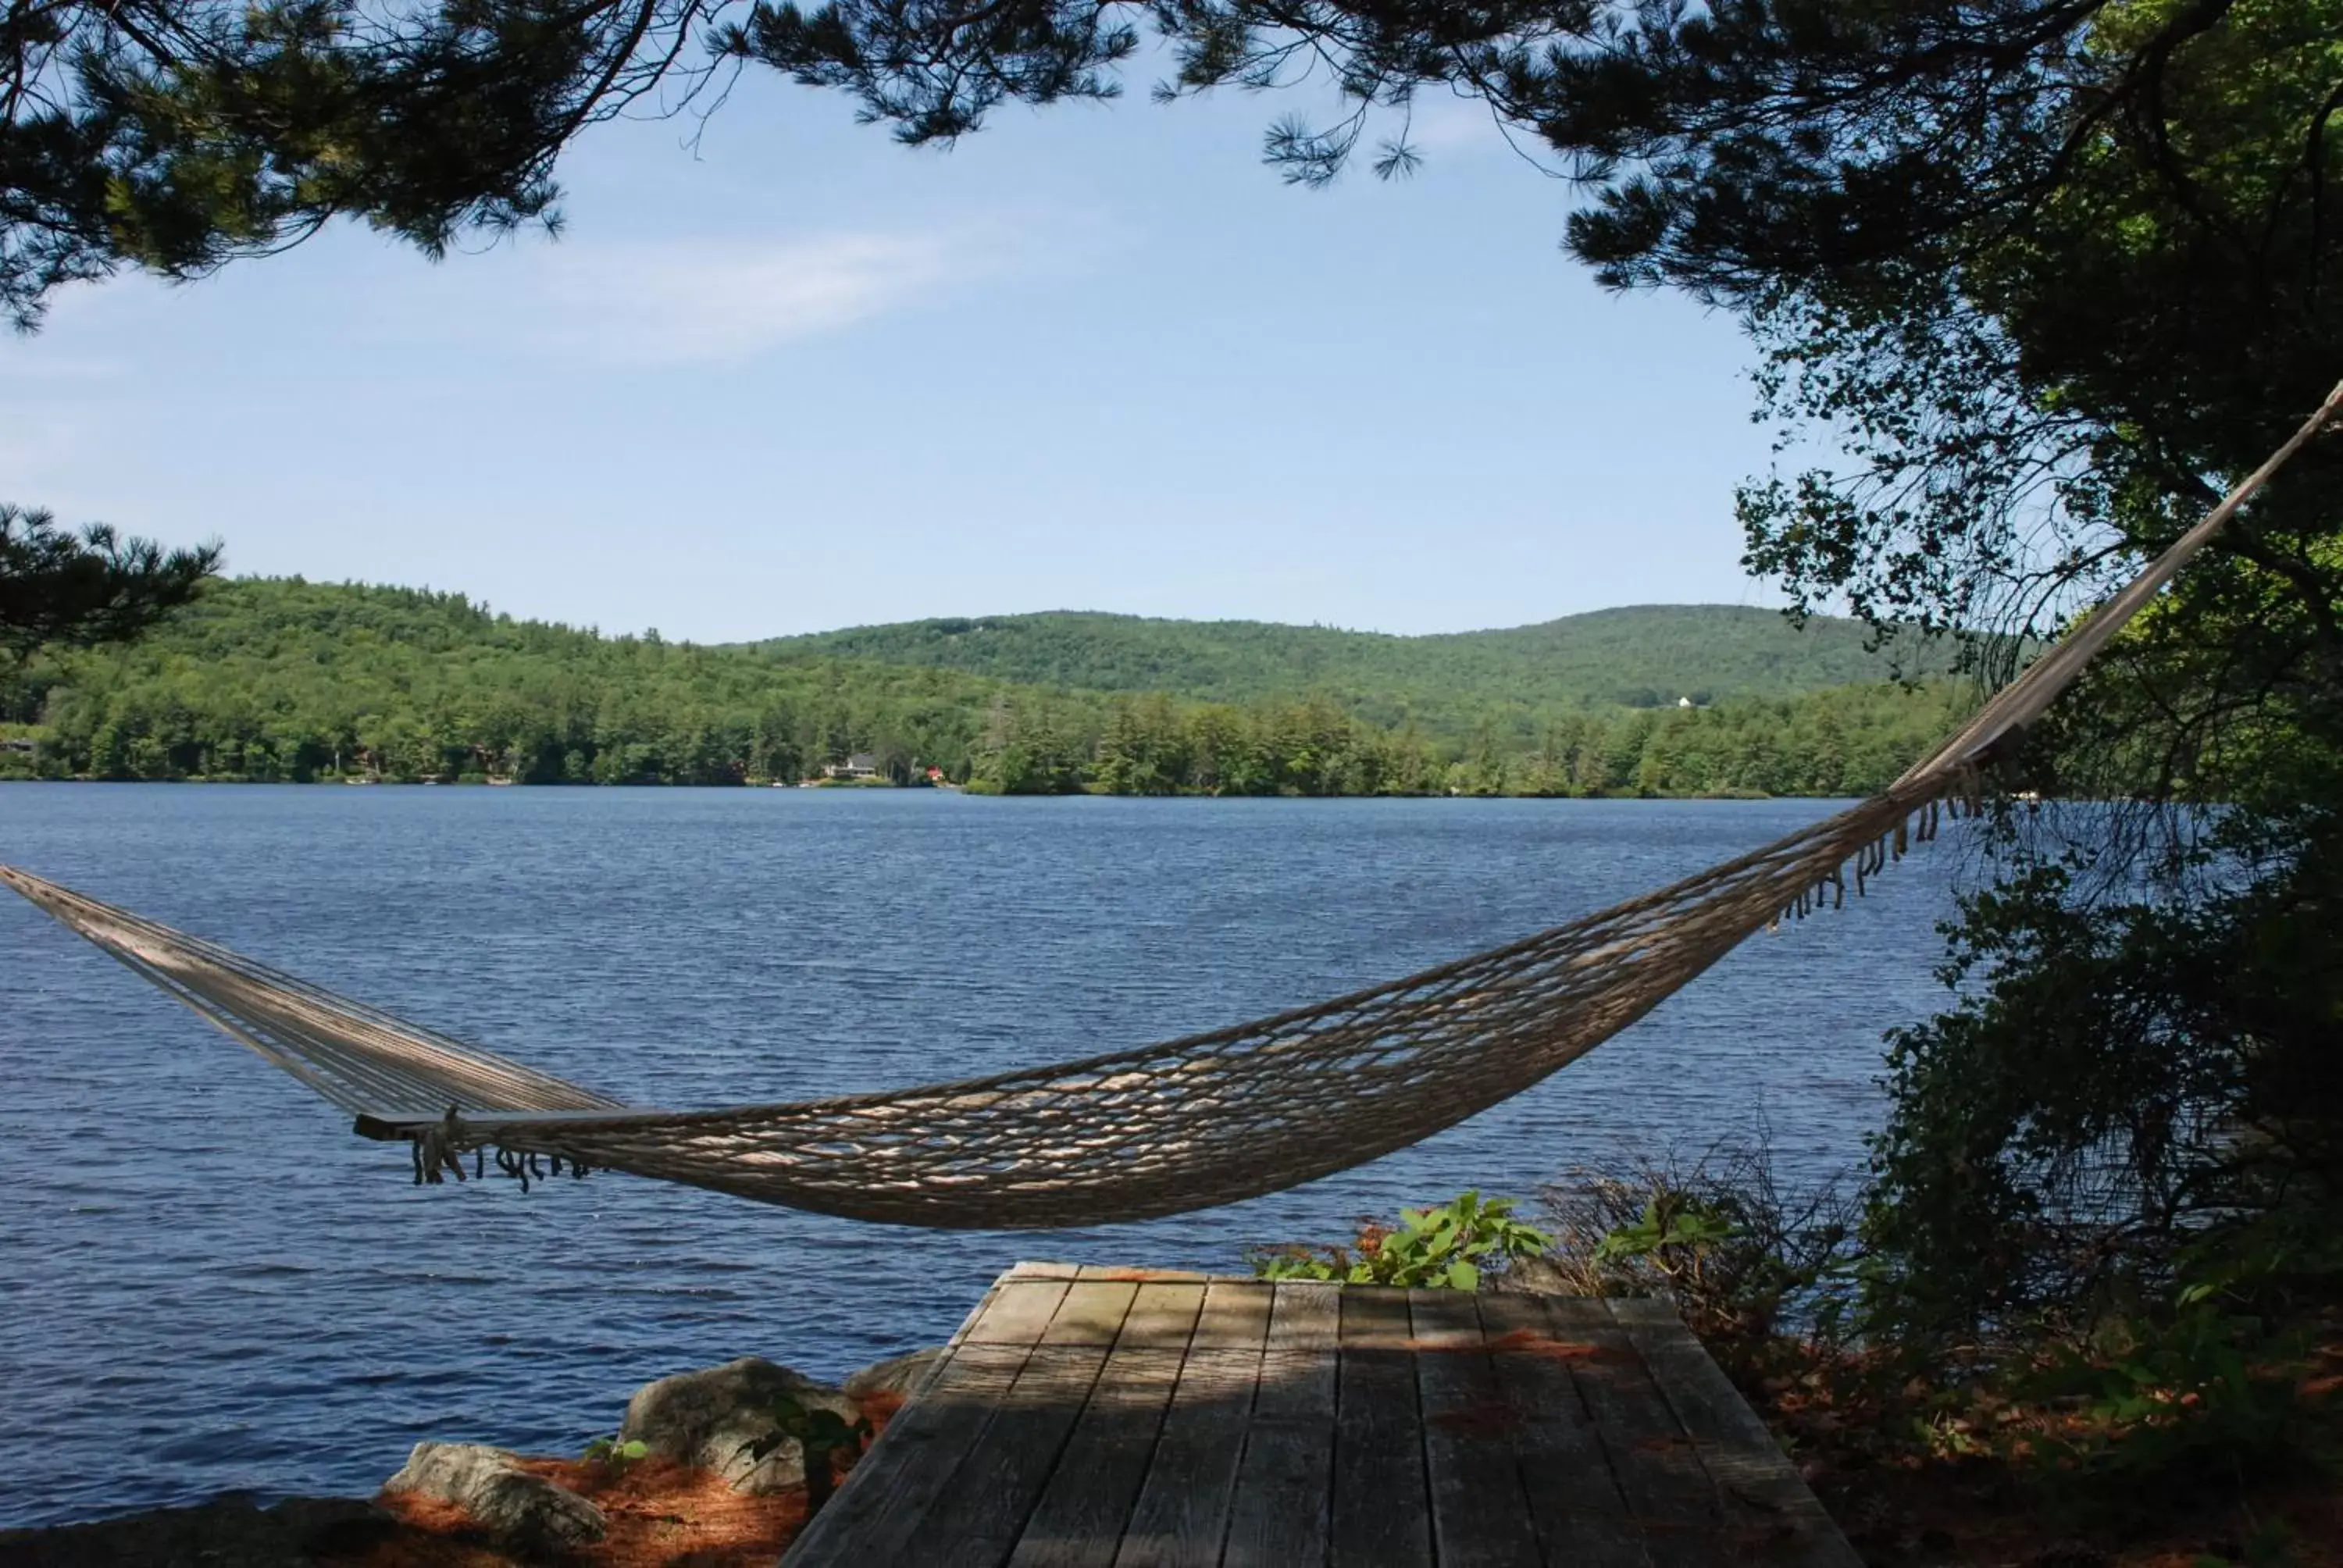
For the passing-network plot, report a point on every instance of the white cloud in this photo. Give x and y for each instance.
(684, 303)
(580, 301)
(650, 304)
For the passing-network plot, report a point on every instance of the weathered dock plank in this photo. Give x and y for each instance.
(1282, 1509)
(1480, 1516)
(1382, 1509)
(1080, 1519)
(1768, 1509)
(1573, 1497)
(1668, 1493)
(879, 1509)
(1162, 1316)
(1181, 1517)
(1132, 1418)
(1091, 1313)
(980, 1513)
(1021, 1312)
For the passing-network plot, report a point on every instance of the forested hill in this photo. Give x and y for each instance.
(1644, 657)
(284, 679)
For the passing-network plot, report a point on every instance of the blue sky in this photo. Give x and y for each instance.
(1096, 357)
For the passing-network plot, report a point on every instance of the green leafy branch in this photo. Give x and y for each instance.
(1447, 1246)
(821, 1435)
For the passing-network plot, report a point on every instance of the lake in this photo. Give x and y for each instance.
(205, 1282)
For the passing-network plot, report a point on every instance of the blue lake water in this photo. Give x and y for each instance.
(205, 1282)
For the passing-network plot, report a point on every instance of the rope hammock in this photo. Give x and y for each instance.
(1193, 1122)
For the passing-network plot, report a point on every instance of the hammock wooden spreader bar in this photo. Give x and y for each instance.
(1190, 1123)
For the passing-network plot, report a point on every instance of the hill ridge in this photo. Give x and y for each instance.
(1637, 655)
(1069, 612)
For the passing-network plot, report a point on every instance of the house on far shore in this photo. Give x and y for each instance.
(861, 765)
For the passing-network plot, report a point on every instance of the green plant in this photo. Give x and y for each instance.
(1677, 1231)
(1450, 1245)
(608, 1451)
(820, 1435)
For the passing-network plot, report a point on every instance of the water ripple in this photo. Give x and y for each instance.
(210, 1285)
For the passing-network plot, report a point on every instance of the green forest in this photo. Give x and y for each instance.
(1646, 656)
(287, 681)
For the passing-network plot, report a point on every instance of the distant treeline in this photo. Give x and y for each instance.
(286, 680)
(1848, 740)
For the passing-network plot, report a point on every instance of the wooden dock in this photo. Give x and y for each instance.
(1137, 1418)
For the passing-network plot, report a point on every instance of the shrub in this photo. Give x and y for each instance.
(1740, 1258)
(1451, 1245)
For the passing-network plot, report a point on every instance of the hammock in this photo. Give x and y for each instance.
(1193, 1122)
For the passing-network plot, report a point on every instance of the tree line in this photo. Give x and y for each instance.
(289, 681)
(1846, 741)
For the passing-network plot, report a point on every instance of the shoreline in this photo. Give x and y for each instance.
(973, 792)
(672, 1483)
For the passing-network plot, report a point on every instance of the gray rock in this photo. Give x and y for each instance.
(1539, 1276)
(704, 1418)
(523, 1513)
(902, 1375)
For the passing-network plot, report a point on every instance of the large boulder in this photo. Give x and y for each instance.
(525, 1514)
(897, 1380)
(706, 1418)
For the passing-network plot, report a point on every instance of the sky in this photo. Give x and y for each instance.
(798, 376)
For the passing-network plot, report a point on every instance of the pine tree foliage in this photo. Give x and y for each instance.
(176, 134)
(66, 590)
(1727, 145)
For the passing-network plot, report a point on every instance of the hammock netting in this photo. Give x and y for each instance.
(1205, 1119)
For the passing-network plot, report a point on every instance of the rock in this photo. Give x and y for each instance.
(900, 1377)
(704, 1419)
(1539, 1276)
(523, 1513)
(228, 1530)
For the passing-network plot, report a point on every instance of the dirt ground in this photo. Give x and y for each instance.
(1972, 1504)
(662, 1516)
